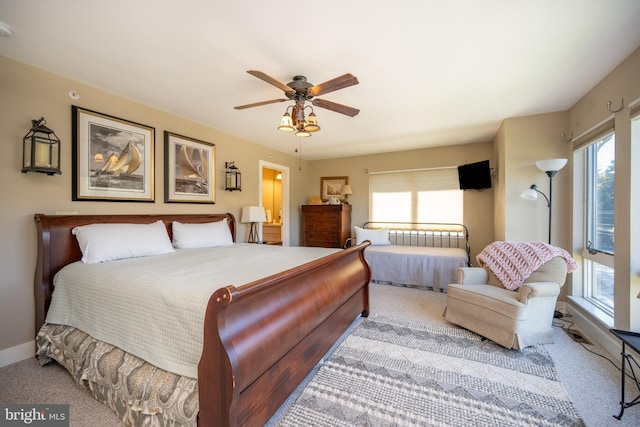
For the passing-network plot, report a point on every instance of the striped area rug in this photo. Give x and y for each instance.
(393, 372)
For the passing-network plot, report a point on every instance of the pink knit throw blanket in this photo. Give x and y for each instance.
(513, 262)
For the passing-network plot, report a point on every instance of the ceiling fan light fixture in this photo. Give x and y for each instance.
(286, 124)
(300, 91)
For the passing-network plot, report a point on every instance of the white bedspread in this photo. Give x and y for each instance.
(415, 266)
(154, 307)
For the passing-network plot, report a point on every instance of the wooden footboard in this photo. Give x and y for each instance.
(262, 339)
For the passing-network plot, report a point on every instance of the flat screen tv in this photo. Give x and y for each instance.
(475, 176)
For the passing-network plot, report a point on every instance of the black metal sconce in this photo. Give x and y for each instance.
(41, 149)
(233, 177)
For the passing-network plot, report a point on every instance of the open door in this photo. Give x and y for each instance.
(274, 199)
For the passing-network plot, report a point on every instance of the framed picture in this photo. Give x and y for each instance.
(113, 158)
(188, 170)
(331, 186)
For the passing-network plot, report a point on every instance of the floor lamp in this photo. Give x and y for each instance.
(550, 167)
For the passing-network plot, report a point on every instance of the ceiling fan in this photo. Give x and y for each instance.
(300, 90)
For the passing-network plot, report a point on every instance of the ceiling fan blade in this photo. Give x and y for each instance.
(257, 104)
(334, 106)
(341, 82)
(270, 80)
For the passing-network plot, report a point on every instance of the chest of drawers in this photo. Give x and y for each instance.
(326, 226)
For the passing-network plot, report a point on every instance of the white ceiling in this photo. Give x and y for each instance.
(431, 72)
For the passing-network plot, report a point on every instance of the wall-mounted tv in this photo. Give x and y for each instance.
(475, 176)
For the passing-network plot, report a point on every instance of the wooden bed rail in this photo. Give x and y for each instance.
(267, 336)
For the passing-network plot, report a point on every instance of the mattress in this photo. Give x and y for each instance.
(415, 266)
(154, 307)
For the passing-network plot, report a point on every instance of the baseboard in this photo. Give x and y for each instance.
(12, 355)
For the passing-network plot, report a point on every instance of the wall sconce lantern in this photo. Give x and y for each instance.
(233, 177)
(41, 149)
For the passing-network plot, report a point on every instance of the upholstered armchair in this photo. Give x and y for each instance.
(512, 318)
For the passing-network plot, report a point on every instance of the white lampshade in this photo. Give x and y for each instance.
(346, 190)
(530, 194)
(551, 164)
(286, 124)
(253, 214)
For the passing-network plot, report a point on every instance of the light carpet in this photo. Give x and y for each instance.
(394, 371)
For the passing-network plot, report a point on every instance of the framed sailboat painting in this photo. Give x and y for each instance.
(113, 159)
(188, 170)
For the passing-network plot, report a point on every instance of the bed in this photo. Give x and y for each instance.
(413, 254)
(260, 339)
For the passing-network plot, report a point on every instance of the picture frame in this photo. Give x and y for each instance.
(189, 170)
(113, 158)
(331, 186)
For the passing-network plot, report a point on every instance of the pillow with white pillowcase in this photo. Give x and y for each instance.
(202, 235)
(377, 237)
(109, 242)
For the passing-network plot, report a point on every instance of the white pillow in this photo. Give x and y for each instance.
(377, 237)
(108, 242)
(205, 235)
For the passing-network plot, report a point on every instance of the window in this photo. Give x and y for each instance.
(599, 223)
(431, 195)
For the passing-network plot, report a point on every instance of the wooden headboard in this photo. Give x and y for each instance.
(57, 247)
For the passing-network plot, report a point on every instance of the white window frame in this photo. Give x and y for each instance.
(591, 260)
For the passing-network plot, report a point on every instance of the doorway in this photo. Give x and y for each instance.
(274, 198)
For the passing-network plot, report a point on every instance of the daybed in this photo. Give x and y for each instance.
(259, 339)
(422, 255)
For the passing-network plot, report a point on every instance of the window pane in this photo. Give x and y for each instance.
(601, 290)
(599, 232)
(601, 172)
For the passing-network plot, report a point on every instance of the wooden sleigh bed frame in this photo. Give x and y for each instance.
(260, 339)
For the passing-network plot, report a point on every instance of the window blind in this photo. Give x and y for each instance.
(634, 107)
(429, 195)
(417, 180)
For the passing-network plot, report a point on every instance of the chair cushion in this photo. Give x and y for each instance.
(554, 270)
(491, 301)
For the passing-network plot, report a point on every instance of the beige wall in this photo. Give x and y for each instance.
(526, 140)
(28, 93)
(478, 214)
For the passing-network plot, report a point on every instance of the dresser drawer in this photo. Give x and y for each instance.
(327, 236)
(329, 217)
(322, 244)
(315, 225)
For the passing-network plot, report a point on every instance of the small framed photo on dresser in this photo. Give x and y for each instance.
(331, 186)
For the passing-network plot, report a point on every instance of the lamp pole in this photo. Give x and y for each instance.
(550, 174)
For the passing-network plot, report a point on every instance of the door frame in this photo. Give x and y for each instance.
(285, 196)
